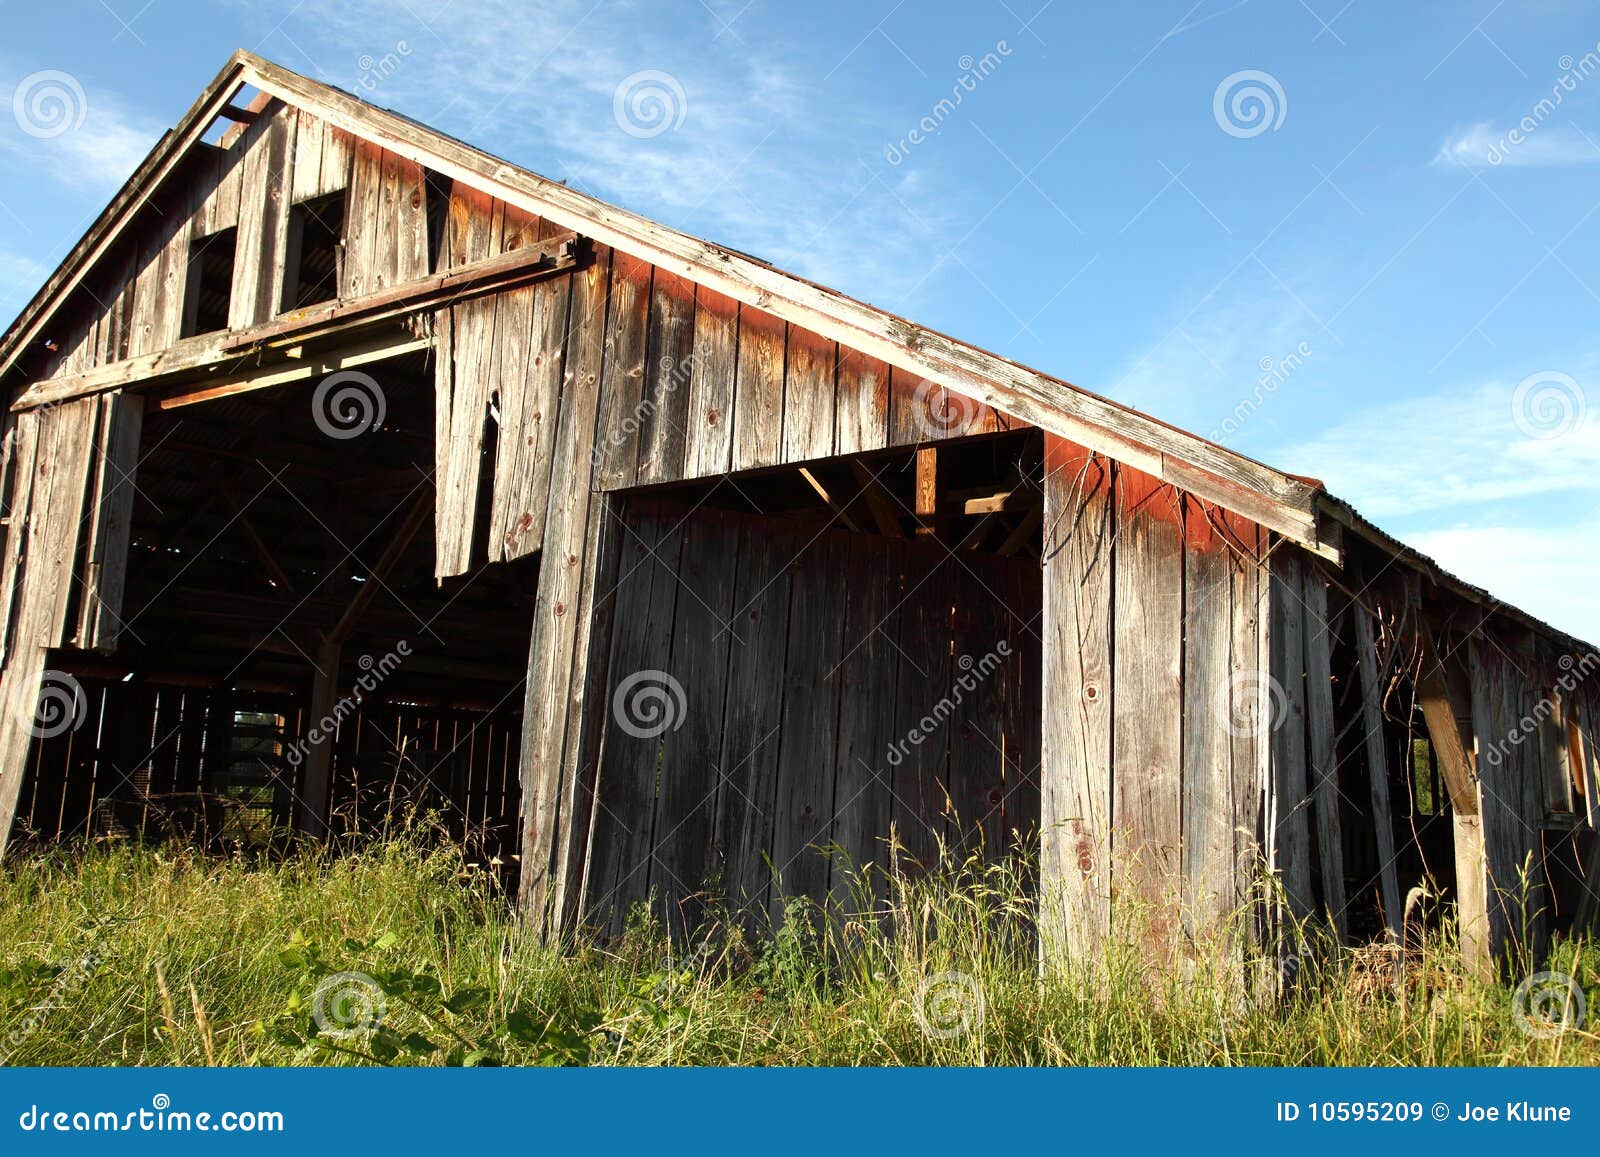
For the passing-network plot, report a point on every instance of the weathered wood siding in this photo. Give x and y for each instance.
(772, 692)
(1153, 777)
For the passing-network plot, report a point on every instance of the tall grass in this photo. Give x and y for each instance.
(127, 956)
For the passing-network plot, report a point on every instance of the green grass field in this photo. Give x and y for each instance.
(401, 955)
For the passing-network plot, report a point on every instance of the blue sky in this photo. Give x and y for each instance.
(1307, 229)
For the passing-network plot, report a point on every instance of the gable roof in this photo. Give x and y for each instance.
(1279, 501)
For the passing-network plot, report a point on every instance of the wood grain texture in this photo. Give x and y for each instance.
(758, 391)
(1288, 818)
(668, 372)
(1148, 713)
(709, 422)
(1323, 767)
(808, 396)
(622, 388)
(1075, 775)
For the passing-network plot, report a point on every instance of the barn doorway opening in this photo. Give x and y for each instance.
(813, 675)
(286, 661)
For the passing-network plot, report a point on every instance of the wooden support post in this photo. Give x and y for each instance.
(926, 505)
(316, 787)
(1450, 747)
(1324, 754)
(881, 506)
(1378, 770)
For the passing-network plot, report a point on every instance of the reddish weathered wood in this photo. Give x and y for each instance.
(758, 391)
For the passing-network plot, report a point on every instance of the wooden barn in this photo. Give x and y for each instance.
(348, 468)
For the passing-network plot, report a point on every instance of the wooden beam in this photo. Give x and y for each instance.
(415, 519)
(839, 511)
(1269, 497)
(378, 349)
(210, 353)
(879, 502)
(1444, 729)
(1023, 530)
(1010, 500)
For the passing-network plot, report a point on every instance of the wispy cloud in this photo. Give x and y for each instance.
(1452, 450)
(755, 162)
(1483, 146)
(1548, 572)
(86, 138)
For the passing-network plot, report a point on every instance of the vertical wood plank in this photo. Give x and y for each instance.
(1148, 710)
(808, 396)
(664, 408)
(710, 419)
(621, 389)
(1288, 824)
(1075, 774)
(758, 391)
(861, 409)
(115, 464)
(1324, 765)
(1372, 687)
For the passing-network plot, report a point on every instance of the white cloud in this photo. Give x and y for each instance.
(85, 138)
(1548, 572)
(1460, 447)
(756, 163)
(1528, 145)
